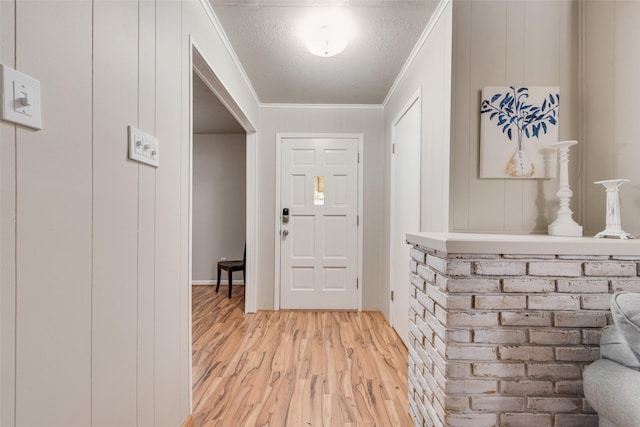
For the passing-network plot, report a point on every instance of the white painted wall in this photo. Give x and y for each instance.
(430, 71)
(500, 43)
(94, 261)
(218, 202)
(7, 236)
(94, 292)
(368, 121)
(611, 68)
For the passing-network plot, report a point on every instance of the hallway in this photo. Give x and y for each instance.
(291, 368)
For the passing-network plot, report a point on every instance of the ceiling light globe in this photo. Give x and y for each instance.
(326, 41)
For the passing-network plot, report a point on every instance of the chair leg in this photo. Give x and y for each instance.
(218, 287)
(230, 281)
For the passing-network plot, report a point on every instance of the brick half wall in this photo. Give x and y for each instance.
(502, 340)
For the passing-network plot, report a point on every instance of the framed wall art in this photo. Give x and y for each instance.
(518, 124)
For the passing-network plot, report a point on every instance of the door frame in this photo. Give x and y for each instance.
(415, 98)
(203, 69)
(280, 137)
(198, 63)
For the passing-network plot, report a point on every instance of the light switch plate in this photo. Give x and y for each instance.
(20, 96)
(143, 147)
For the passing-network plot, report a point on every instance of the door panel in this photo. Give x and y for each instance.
(340, 192)
(335, 278)
(303, 157)
(335, 157)
(302, 278)
(303, 234)
(298, 186)
(335, 237)
(319, 243)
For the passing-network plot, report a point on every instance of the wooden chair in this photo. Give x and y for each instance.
(230, 267)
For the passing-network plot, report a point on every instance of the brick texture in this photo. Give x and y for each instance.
(502, 340)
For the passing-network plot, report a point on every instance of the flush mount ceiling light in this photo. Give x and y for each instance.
(326, 41)
(326, 32)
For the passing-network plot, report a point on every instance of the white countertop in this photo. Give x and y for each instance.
(523, 244)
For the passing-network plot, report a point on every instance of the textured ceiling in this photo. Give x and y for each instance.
(209, 115)
(265, 35)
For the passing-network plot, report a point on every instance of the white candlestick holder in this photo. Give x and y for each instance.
(564, 225)
(614, 223)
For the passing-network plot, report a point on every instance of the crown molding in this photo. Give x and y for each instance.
(442, 6)
(322, 106)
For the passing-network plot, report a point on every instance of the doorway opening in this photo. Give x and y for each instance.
(218, 191)
(222, 195)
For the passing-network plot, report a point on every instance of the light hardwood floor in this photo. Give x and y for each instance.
(294, 368)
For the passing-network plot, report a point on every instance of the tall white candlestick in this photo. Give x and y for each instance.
(564, 225)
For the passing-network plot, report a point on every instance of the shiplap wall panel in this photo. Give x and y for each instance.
(460, 126)
(373, 162)
(542, 45)
(182, 328)
(95, 271)
(612, 101)
(297, 121)
(7, 234)
(221, 58)
(352, 119)
(514, 73)
(501, 43)
(515, 42)
(115, 227)
(53, 250)
(543, 64)
(626, 112)
(171, 43)
(146, 216)
(8, 292)
(599, 87)
(571, 78)
(320, 120)
(488, 46)
(368, 121)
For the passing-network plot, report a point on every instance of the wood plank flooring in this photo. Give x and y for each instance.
(294, 368)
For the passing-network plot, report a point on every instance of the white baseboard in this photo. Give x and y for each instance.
(224, 282)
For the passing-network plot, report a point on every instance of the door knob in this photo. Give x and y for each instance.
(285, 233)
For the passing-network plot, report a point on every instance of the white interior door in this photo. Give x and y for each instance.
(405, 211)
(319, 240)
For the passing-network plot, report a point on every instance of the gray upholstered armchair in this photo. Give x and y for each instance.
(612, 384)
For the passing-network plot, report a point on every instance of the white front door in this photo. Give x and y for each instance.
(319, 236)
(405, 211)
